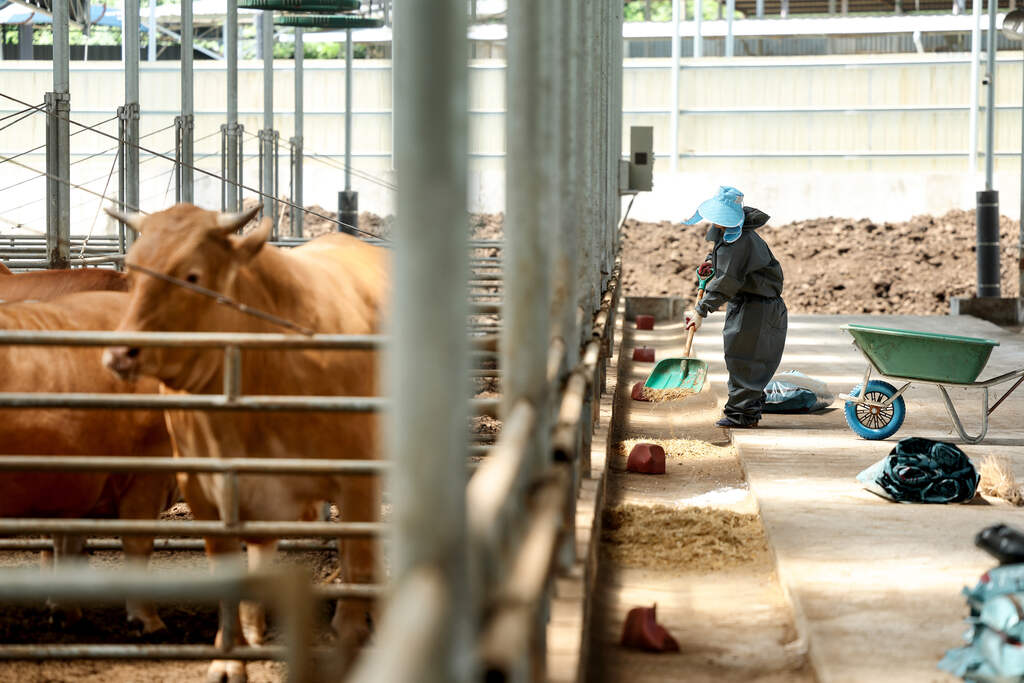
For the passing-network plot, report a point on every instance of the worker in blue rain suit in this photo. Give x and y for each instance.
(748, 278)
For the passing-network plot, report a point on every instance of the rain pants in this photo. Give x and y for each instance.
(749, 279)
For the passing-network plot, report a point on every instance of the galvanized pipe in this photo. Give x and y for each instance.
(990, 108)
(233, 160)
(130, 36)
(730, 9)
(58, 142)
(428, 361)
(110, 463)
(267, 134)
(187, 177)
(972, 152)
(147, 527)
(192, 340)
(297, 216)
(698, 29)
(151, 51)
(218, 402)
(530, 179)
(673, 130)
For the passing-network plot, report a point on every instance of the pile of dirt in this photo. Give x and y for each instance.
(690, 538)
(834, 265)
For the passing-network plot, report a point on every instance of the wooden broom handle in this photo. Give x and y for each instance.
(692, 331)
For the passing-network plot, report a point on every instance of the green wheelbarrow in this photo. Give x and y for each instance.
(875, 409)
(683, 373)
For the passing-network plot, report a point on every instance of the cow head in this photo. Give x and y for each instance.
(194, 246)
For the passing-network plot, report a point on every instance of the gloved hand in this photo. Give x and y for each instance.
(694, 320)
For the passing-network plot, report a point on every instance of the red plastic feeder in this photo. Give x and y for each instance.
(646, 458)
(637, 393)
(645, 322)
(643, 354)
(642, 632)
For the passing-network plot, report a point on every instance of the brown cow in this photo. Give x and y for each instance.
(333, 284)
(43, 285)
(79, 432)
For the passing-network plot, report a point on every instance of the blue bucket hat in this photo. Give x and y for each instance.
(724, 209)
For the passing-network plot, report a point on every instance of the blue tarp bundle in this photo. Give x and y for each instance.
(994, 653)
(795, 392)
(922, 471)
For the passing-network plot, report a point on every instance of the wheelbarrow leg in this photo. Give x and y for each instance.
(956, 418)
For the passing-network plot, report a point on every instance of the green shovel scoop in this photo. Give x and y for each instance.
(683, 373)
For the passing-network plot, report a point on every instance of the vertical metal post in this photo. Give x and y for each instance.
(530, 183)
(296, 213)
(348, 201)
(178, 124)
(122, 176)
(673, 125)
(565, 266)
(25, 47)
(759, 8)
(131, 98)
(187, 178)
(427, 367)
(232, 191)
(58, 144)
(730, 39)
(151, 52)
(698, 28)
(267, 134)
(585, 295)
(990, 107)
(1020, 248)
(618, 19)
(972, 151)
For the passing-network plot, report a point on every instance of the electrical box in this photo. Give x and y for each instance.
(641, 158)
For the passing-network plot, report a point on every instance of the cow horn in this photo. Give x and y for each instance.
(230, 222)
(130, 220)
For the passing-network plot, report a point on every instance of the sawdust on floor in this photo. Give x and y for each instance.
(681, 449)
(665, 395)
(692, 538)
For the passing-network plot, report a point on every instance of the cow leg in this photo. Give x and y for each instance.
(253, 614)
(148, 496)
(218, 550)
(229, 670)
(67, 548)
(137, 550)
(358, 501)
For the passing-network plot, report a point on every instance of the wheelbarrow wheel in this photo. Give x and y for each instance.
(874, 421)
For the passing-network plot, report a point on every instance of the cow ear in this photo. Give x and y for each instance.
(249, 245)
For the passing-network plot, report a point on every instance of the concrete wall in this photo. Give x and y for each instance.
(883, 137)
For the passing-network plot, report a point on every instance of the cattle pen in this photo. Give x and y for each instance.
(480, 531)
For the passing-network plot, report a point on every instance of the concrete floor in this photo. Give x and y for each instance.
(876, 583)
(872, 588)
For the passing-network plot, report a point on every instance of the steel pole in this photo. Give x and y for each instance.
(297, 199)
(151, 45)
(972, 117)
(990, 107)
(530, 180)
(585, 67)
(673, 126)
(1020, 221)
(427, 366)
(131, 98)
(565, 269)
(187, 105)
(267, 134)
(232, 162)
(348, 201)
(730, 9)
(58, 143)
(698, 35)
